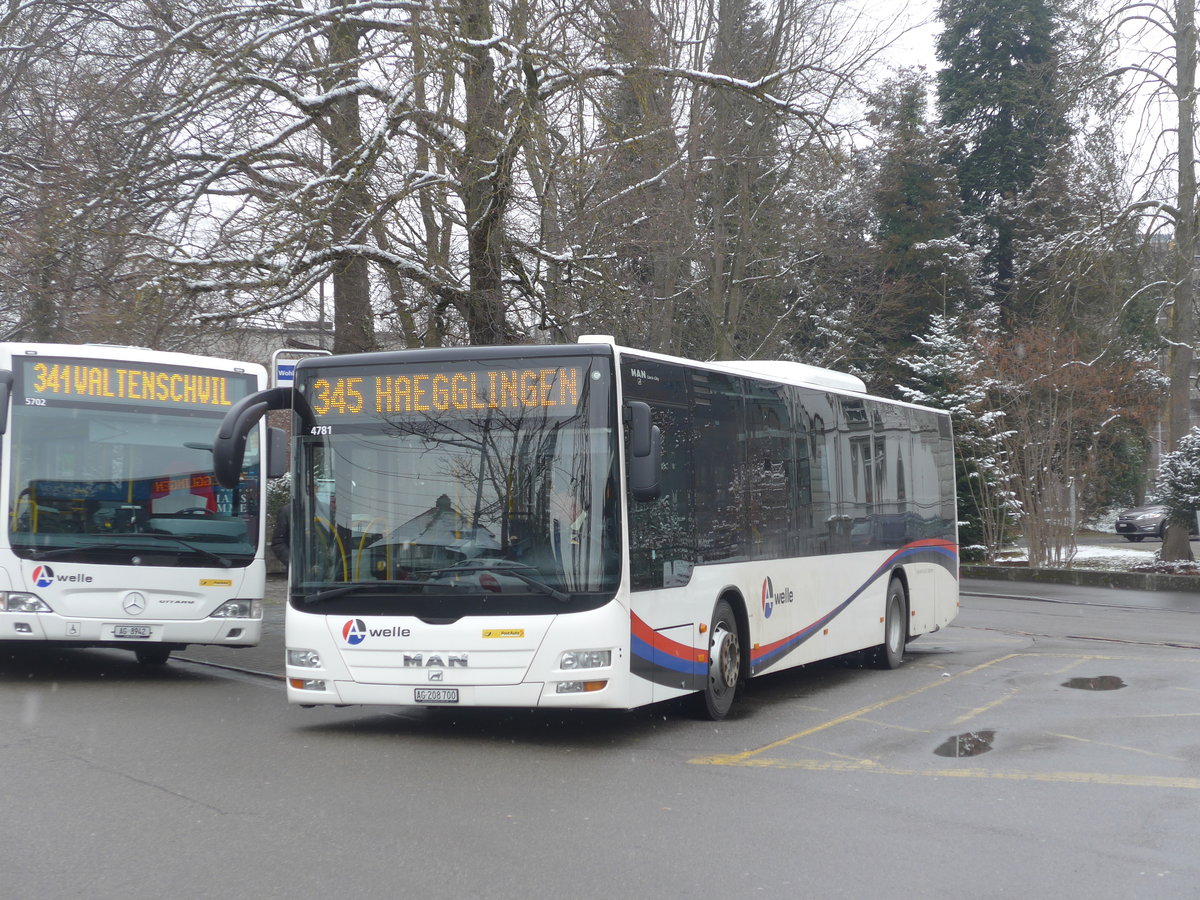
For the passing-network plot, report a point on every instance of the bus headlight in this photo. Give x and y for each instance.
(238, 609)
(19, 601)
(585, 659)
(307, 659)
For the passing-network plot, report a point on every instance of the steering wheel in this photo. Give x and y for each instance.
(195, 511)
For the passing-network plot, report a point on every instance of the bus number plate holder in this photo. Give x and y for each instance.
(133, 631)
(435, 695)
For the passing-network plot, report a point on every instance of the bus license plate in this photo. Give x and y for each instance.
(435, 695)
(132, 631)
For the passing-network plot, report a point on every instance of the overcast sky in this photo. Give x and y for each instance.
(916, 28)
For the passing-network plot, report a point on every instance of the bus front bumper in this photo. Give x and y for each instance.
(99, 632)
(309, 689)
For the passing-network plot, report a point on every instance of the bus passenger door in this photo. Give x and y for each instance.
(661, 563)
(662, 543)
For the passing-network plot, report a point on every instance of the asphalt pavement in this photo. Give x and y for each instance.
(268, 657)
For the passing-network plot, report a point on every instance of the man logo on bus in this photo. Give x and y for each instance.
(43, 576)
(354, 631)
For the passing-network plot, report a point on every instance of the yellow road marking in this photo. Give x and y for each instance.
(881, 724)
(754, 759)
(735, 758)
(844, 757)
(980, 710)
(816, 765)
(1071, 737)
(1073, 664)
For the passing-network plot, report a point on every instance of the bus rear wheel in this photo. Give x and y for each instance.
(724, 663)
(891, 651)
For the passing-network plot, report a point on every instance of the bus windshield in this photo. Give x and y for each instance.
(431, 491)
(127, 484)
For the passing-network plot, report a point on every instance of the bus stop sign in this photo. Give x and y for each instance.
(283, 364)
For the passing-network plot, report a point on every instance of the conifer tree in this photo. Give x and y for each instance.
(998, 91)
(945, 371)
(927, 267)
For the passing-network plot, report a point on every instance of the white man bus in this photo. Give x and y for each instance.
(119, 535)
(594, 526)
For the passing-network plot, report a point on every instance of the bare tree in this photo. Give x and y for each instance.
(72, 266)
(1060, 413)
(1164, 31)
(461, 171)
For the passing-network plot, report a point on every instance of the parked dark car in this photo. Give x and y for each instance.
(1145, 521)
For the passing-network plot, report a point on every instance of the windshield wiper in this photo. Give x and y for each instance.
(222, 561)
(342, 589)
(129, 546)
(540, 586)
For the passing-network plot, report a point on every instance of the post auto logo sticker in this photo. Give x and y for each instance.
(354, 631)
(43, 576)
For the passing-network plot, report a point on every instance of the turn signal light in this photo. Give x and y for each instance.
(307, 684)
(580, 687)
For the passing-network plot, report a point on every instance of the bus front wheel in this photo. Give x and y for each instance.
(724, 663)
(895, 621)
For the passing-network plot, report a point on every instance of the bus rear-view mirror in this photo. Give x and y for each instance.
(645, 453)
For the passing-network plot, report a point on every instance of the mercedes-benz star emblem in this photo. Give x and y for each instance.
(134, 603)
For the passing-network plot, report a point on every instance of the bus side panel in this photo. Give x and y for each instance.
(668, 655)
(925, 591)
(946, 597)
(809, 609)
(812, 609)
(799, 611)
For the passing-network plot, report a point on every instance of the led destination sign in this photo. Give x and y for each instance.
(551, 389)
(99, 381)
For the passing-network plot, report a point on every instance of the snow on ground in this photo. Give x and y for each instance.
(1118, 557)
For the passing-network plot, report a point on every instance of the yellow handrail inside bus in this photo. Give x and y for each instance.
(362, 543)
(340, 546)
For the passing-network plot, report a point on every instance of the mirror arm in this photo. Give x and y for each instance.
(6, 383)
(229, 447)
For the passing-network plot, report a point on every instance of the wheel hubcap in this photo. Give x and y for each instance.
(723, 669)
(894, 625)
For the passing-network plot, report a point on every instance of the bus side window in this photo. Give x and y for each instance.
(771, 473)
(722, 471)
(818, 515)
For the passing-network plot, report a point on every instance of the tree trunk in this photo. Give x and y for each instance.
(1182, 324)
(484, 179)
(353, 318)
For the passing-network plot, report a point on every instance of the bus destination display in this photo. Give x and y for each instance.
(99, 381)
(553, 389)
